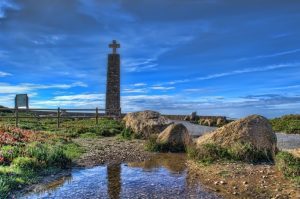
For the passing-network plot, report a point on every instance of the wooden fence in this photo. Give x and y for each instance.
(58, 114)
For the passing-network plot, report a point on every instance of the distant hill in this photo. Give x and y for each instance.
(4, 111)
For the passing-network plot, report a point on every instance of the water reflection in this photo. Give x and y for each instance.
(114, 181)
(162, 176)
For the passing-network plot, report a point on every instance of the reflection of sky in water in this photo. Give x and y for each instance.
(124, 181)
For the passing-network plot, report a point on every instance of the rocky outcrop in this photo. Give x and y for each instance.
(254, 131)
(145, 123)
(176, 136)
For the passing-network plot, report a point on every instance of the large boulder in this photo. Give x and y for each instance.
(176, 137)
(254, 131)
(145, 123)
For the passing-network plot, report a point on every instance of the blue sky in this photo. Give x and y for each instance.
(215, 57)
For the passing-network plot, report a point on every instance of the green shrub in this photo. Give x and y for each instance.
(89, 135)
(10, 152)
(58, 158)
(26, 164)
(127, 134)
(248, 153)
(287, 124)
(208, 153)
(289, 165)
(37, 150)
(152, 145)
(72, 151)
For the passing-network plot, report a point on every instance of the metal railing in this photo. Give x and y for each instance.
(58, 114)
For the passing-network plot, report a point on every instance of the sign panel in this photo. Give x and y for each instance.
(21, 100)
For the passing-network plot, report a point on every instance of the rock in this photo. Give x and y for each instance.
(253, 130)
(145, 123)
(175, 135)
(207, 122)
(187, 118)
(193, 116)
(221, 121)
(222, 182)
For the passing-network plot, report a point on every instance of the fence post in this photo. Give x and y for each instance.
(97, 112)
(58, 117)
(17, 116)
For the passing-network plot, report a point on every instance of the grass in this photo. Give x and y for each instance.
(153, 146)
(286, 124)
(209, 153)
(289, 165)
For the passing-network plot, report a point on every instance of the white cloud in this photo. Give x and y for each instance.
(139, 84)
(7, 4)
(4, 74)
(139, 65)
(26, 87)
(162, 88)
(134, 90)
(249, 70)
(271, 55)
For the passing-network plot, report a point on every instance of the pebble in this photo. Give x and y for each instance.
(222, 182)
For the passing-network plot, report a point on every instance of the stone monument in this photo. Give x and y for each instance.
(113, 105)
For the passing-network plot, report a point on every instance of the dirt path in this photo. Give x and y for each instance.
(108, 150)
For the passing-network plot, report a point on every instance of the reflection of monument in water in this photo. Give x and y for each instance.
(114, 181)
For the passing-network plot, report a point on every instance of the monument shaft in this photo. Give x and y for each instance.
(113, 105)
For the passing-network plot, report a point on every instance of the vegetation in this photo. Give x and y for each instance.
(153, 146)
(38, 148)
(209, 153)
(289, 165)
(286, 124)
(25, 155)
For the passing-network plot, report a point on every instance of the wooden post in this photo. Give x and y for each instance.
(17, 116)
(58, 117)
(97, 115)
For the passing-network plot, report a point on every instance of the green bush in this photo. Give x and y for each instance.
(127, 134)
(248, 153)
(287, 124)
(89, 135)
(26, 164)
(72, 151)
(208, 153)
(37, 150)
(10, 152)
(289, 165)
(152, 145)
(58, 158)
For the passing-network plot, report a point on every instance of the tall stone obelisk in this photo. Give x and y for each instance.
(113, 105)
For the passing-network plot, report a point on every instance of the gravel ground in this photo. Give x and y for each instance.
(111, 150)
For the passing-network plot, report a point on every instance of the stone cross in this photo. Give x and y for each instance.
(114, 45)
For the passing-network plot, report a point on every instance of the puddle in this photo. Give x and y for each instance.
(162, 176)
